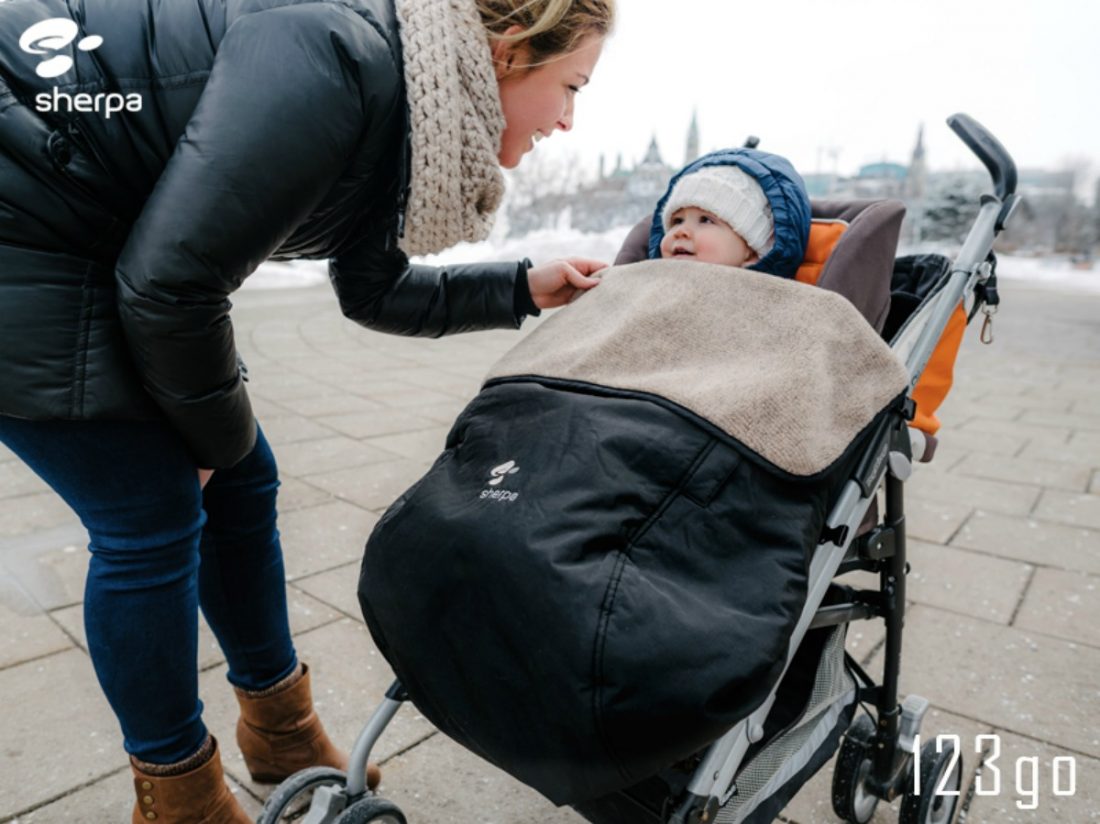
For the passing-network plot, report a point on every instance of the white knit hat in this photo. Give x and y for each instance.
(730, 194)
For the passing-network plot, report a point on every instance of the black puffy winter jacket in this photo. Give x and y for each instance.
(249, 129)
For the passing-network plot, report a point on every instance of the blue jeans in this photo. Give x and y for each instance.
(161, 548)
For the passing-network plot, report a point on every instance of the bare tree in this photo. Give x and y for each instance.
(542, 175)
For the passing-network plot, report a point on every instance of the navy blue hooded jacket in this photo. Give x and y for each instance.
(786, 194)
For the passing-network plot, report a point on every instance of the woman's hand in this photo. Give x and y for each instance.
(204, 476)
(561, 281)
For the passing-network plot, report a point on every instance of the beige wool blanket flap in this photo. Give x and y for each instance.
(793, 372)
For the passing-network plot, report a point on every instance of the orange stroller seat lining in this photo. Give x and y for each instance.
(935, 381)
(824, 236)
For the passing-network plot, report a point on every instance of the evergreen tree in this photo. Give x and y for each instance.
(950, 206)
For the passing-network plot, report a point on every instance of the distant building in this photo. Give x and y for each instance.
(1043, 183)
(940, 205)
(820, 184)
(883, 170)
(620, 198)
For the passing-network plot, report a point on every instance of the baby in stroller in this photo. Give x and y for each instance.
(616, 582)
(716, 210)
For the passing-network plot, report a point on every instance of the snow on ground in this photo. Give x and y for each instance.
(1043, 272)
(1049, 272)
(292, 275)
(540, 247)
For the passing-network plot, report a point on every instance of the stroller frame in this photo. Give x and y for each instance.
(887, 768)
(888, 463)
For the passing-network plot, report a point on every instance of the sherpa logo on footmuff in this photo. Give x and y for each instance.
(497, 476)
(499, 472)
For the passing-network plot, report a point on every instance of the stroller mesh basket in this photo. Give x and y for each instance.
(807, 743)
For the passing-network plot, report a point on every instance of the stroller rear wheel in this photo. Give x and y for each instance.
(293, 799)
(932, 807)
(851, 799)
(372, 810)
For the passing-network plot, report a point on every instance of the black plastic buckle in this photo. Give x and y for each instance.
(909, 409)
(899, 437)
(985, 292)
(833, 535)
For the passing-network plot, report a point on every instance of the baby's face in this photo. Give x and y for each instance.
(695, 234)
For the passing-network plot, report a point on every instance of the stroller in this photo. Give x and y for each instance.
(718, 682)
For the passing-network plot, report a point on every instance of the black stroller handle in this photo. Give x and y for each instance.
(989, 150)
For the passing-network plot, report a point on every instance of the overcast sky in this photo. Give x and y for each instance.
(852, 77)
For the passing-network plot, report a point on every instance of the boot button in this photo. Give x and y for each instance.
(145, 785)
(151, 815)
(147, 801)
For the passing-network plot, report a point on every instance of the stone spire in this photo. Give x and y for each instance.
(691, 150)
(653, 154)
(915, 179)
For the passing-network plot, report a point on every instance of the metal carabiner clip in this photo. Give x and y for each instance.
(987, 324)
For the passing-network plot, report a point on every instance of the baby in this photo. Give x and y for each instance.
(735, 207)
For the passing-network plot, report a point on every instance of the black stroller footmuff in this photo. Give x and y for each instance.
(601, 573)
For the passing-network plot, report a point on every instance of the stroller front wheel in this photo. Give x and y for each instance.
(852, 801)
(298, 795)
(931, 806)
(372, 810)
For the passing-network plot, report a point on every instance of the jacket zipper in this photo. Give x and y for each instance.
(60, 145)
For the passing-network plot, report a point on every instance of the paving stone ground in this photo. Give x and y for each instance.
(1002, 634)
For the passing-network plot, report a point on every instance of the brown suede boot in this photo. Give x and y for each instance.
(279, 733)
(198, 796)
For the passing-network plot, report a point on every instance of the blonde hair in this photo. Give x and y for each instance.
(551, 28)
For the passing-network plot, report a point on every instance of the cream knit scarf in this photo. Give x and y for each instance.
(456, 123)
